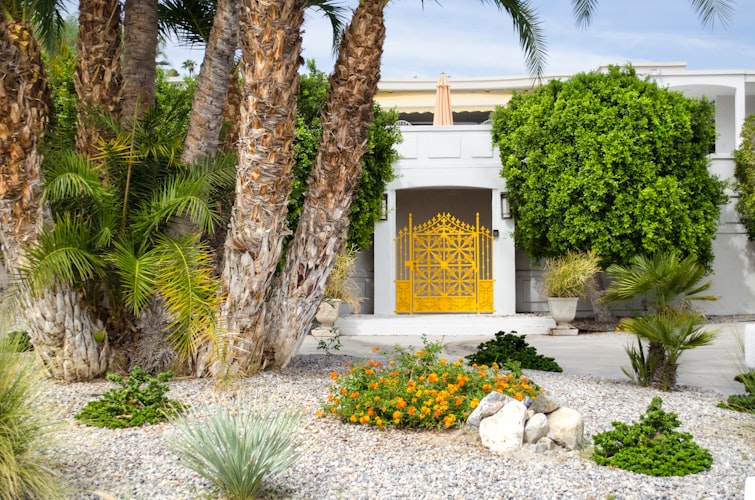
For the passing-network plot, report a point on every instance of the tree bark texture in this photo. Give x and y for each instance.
(231, 112)
(23, 115)
(324, 221)
(98, 67)
(139, 54)
(212, 85)
(270, 39)
(63, 331)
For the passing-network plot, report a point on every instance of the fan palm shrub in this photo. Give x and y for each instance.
(237, 449)
(25, 425)
(675, 332)
(669, 286)
(115, 238)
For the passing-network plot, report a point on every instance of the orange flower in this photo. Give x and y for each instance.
(391, 362)
(495, 365)
(487, 387)
(344, 391)
(443, 361)
(412, 410)
(354, 394)
(373, 385)
(369, 372)
(376, 398)
(333, 375)
(433, 377)
(396, 415)
(370, 411)
(400, 404)
(375, 349)
(330, 397)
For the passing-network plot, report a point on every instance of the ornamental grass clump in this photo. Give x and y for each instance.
(236, 449)
(25, 426)
(419, 389)
(651, 446)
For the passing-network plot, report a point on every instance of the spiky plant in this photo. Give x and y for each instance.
(24, 428)
(237, 449)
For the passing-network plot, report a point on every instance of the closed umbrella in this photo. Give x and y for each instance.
(442, 114)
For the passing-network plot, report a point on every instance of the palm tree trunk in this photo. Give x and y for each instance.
(270, 39)
(324, 220)
(58, 327)
(231, 111)
(98, 68)
(139, 54)
(23, 115)
(64, 332)
(212, 85)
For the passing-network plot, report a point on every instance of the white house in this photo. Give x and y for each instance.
(448, 181)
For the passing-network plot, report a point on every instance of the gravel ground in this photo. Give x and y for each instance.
(355, 462)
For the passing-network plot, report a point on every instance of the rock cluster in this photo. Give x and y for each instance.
(506, 424)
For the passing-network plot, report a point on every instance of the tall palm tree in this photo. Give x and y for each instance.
(324, 221)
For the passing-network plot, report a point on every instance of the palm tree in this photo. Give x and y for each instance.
(189, 65)
(668, 287)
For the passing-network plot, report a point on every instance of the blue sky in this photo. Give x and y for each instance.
(469, 38)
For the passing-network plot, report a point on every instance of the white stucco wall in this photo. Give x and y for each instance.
(444, 157)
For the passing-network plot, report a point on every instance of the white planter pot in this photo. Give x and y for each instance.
(563, 310)
(327, 314)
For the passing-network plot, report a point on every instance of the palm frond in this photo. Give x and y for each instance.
(676, 331)
(137, 274)
(527, 25)
(61, 254)
(333, 13)
(71, 176)
(583, 11)
(188, 21)
(190, 290)
(182, 196)
(663, 280)
(710, 10)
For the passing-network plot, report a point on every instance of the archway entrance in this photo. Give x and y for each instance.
(444, 266)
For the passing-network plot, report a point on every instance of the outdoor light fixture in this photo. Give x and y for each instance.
(505, 206)
(384, 207)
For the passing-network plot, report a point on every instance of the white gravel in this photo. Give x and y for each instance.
(354, 462)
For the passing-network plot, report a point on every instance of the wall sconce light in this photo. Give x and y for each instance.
(384, 207)
(505, 206)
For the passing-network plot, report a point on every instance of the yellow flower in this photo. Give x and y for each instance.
(474, 403)
(353, 419)
(320, 413)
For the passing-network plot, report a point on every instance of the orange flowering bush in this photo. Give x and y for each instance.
(419, 389)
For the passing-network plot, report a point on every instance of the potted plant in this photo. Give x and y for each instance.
(565, 280)
(339, 289)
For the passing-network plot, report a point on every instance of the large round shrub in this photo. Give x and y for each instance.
(610, 163)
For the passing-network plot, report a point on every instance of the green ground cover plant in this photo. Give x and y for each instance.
(507, 347)
(140, 399)
(651, 446)
(237, 449)
(25, 425)
(419, 389)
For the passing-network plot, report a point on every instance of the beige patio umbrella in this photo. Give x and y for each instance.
(442, 114)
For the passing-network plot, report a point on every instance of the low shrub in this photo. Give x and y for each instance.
(651, 446)
(742, 402)
(419, 389)
(506, 347)
(236, 449)
(25, 426)
(139, 400)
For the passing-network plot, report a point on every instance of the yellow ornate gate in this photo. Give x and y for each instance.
(444, 265)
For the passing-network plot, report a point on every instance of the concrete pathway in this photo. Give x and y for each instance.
(597, 354)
